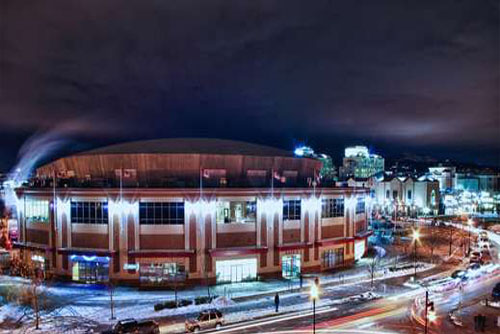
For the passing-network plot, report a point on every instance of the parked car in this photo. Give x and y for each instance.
(485, 247)
(475, 257)
(207, 319)
(483, 234)
(462, 274)
(136, 327)
(474, 266)
(483, 241)
(496, 292)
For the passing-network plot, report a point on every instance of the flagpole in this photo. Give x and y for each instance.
(121, 185)
(201, 183)
(272, 182)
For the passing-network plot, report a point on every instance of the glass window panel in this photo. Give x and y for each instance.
(161, 213)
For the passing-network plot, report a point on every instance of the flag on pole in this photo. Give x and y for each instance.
(206, 173)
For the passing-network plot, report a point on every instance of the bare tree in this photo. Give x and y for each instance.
(432, 241)
(372, 268)
(111, 288)
(451, 230)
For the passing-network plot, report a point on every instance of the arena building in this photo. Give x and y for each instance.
(184, 211)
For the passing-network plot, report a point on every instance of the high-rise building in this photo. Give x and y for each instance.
(359, 163)
(328, 171)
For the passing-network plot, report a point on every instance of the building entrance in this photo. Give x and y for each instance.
(239, 270)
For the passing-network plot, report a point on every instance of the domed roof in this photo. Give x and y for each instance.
(190, 145)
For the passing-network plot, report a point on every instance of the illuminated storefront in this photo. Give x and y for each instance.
(239, 270)
(90, 269)
(161, 273)
(39, 262)
(359, 249)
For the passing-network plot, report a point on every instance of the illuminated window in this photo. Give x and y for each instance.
(291, 210)
(360, 205)
(89, 212)
(37, 210)
(161, 213)
(158, 273)
(332, 207)
(236, 212)
(333, 258)
(237, 270)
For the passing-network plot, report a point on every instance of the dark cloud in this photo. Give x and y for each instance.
(420, 76)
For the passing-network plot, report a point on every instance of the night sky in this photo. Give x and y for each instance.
(418, 77)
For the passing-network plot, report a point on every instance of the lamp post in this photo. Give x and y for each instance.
(416, 236)
(469, 222)
(314, 295)
(430, 314)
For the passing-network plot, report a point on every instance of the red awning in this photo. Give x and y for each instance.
(161, 253)
(84, 251)
(236, 251)
(298, 245)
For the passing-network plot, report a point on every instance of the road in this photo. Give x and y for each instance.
(401, 312)
(388, 315)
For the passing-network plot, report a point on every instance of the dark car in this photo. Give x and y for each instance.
(135, 327)
(496, 292)
(206, 319)
(462, 274)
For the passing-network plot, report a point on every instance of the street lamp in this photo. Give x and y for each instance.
(469, 222)
(430, 314)
(416, 236)
(314, 295)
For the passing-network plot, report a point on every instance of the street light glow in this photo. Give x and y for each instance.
(432, 316)
(314, 291)
(416, 235)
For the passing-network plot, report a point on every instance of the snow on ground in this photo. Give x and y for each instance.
(92, 305)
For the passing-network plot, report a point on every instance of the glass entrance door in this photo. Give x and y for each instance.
(238, 270)
(290, 265)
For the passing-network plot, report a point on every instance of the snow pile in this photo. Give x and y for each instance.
(222, 302)
(9, 311)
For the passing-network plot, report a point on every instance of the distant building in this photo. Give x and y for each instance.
(407, 195)
(359, 163)
(328, 172)
(445, 175)
(451, 179)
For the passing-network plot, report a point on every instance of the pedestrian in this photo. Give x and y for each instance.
(277, 301)
(301, 280)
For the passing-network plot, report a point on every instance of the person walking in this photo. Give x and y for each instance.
(277, 301)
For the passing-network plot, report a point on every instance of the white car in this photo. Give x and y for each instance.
(485, 247)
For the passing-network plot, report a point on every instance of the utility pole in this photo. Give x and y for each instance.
(451, 240)
(111, 304)
(37, 309)
(415, 258)
(426, 307)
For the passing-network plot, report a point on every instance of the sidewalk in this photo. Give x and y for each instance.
(250, 290)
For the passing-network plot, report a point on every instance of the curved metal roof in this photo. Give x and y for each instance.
(190, 145)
